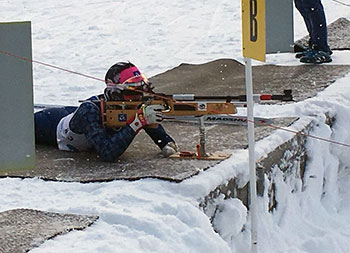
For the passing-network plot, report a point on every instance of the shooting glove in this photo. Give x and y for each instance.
(146, 115)
(170, 149)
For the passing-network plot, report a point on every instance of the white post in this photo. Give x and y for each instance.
(251, 143)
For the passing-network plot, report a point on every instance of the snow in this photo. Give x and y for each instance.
(154, 216)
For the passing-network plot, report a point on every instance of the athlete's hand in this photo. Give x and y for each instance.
(147, 115)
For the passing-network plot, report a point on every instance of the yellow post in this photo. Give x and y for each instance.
(254, 29)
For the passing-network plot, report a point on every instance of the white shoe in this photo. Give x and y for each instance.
(169, 149)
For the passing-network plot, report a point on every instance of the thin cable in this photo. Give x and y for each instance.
(50, 65)
(164, 97)
(78, 73)
(297, 132)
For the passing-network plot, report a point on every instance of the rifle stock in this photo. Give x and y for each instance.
(117, 113)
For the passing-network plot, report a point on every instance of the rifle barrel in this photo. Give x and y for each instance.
(286, 96)
(192, 97)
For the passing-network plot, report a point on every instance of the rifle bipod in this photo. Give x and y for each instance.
(201, 149)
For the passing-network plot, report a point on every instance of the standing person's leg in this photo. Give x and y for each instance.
(318, 27)
(320, 53)
(302, 50)
(303, 13)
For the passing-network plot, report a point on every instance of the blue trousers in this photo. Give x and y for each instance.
(46, 121)
(315, 20)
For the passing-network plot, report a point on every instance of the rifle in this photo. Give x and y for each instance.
(115, 113)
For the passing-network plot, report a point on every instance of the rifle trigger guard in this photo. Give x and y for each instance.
(167, 107)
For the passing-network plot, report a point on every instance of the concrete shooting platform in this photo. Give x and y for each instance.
(19, 228)
(220, 77)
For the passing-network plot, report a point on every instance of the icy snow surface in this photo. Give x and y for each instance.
(156, 216)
